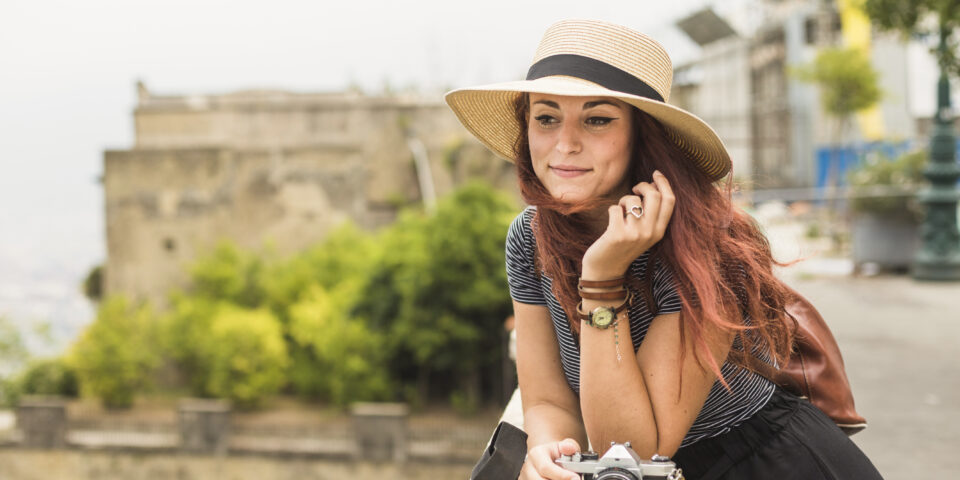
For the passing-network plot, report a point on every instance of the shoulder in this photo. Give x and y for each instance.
(520, 243)
(521, 225)
(520, 234)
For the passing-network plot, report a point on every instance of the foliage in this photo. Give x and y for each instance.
(12, 355)
(51, 376)
(12, 349)
(185, 337)
(229, 274)
(353, 318)
(899, 178)
(343, 360)
(439, 288)
(114, 356)
(345, 255)
(913, 18)
(847, 81)
(93, 284)
(245, 354)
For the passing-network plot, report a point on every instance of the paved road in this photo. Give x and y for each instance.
(901, 344)
(900, 340)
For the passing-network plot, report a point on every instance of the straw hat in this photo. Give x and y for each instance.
(592, 58)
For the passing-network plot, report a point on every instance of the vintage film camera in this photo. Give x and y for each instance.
(620, 463)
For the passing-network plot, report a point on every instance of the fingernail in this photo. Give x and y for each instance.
(657, 172)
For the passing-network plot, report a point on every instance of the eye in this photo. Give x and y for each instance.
(545, 120)
(599, 121)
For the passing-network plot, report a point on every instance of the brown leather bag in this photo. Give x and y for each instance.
(815, 369)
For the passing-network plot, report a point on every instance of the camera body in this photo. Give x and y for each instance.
(620, 463)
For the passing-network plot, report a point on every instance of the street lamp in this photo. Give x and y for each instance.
(939, 255)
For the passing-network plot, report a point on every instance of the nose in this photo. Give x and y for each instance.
(568, 138)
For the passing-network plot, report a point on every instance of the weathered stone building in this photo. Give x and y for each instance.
(271, 167)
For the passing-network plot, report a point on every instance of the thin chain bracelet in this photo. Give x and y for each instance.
(616, 337)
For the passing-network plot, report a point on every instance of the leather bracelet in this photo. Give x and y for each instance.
(613, 282)
(607, 315)
(610, 295)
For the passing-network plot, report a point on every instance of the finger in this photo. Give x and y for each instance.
(628, 202)
(651, 204)
(547, 468)
(636, 188)
(615, 223)
(569, 446)
(667, 201)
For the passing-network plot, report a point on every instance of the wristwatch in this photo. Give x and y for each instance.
(603, 317)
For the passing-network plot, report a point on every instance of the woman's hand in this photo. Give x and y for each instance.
(627, 236)
(540, 464)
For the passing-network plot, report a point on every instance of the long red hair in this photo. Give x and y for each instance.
(722, 263)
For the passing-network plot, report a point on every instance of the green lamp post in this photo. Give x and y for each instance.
(939, 254)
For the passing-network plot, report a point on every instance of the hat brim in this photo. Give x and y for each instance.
(487, 111)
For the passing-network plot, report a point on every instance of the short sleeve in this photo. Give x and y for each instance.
(522, 277)
(665, 290)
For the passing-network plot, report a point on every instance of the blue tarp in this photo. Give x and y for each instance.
(839, 161)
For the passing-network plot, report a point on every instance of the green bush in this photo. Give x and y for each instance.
(185, 338)
(245, 355)
(439, 292)
(341, 360)
(115, 356)
(12, 355)
(898, 178)
(229, 274)
(52, 376)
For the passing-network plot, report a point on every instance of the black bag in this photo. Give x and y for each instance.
(503, 458)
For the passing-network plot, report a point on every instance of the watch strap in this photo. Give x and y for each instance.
(613, 282)
(608, 295)
(588, 316)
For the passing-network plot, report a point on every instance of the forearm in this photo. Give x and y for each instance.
(614, 399)
(546, 423)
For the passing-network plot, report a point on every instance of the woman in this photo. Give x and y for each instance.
(639, 290)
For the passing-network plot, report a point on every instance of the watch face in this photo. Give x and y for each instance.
(602, 317)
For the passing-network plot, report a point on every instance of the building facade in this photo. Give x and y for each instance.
(270, 168)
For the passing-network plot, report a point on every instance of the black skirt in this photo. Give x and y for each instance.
(787, 439)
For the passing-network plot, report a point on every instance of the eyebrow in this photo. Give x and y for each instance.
(548, 103)
(587, 105)
(598, 103)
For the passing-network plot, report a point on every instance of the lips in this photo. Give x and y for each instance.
(568, 171)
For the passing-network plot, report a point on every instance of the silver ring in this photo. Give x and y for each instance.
(636, 211)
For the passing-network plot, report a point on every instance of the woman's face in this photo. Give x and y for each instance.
(580, 146)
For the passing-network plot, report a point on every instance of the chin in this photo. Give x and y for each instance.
(570, 196)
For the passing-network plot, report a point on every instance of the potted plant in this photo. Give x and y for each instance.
(886, 215)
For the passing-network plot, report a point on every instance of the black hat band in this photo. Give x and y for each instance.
(592, 70)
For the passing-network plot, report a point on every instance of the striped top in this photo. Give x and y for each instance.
(722, 410)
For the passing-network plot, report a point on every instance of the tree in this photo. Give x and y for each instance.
(847, 83)
(93, 284)
(922, 18)
(245, 355)
(341, 359)
(939, 255)
(439, 290)
(115, 355)
(229, 274)
(12, 355)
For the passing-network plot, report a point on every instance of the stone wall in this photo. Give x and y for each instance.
(269, 168)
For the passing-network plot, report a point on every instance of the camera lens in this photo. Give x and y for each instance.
(614, 474)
